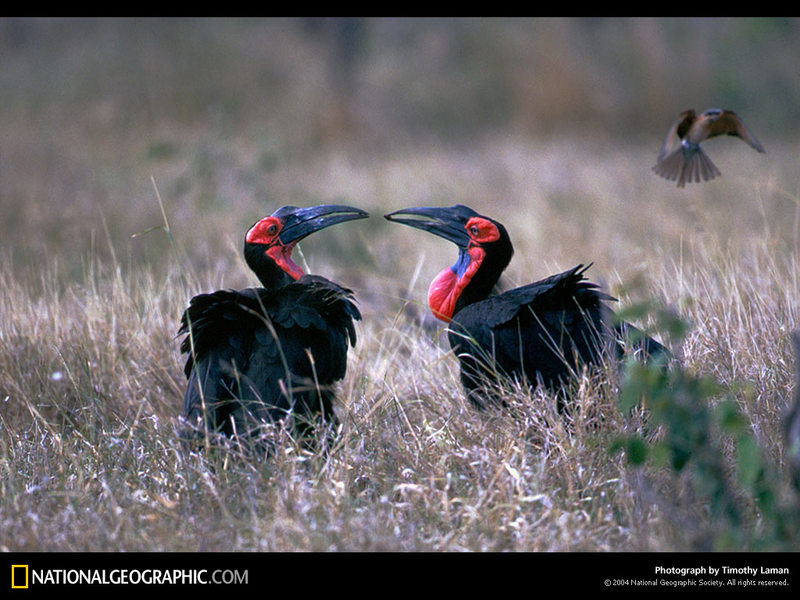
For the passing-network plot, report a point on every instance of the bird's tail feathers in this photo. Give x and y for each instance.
(698, 167)
(683, 168)
(671, 166)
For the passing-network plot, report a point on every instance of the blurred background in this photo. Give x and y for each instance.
(551, 126)
(231, 118)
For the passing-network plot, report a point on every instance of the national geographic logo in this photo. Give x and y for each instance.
(23, 577)
(19, 577)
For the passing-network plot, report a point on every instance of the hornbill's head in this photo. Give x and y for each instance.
(269, 242)
(484, 251)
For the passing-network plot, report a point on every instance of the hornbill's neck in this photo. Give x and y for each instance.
(486, 273)
(271, 276)
(484, 251)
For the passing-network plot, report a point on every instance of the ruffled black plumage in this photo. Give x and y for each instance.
(257, 356)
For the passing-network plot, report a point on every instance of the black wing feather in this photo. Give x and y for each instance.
(543, 331)
(550, 294)
(254, 356)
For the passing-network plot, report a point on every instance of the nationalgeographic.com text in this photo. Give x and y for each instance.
(138, 577)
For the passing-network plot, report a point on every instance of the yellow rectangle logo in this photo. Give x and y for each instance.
(19, 577)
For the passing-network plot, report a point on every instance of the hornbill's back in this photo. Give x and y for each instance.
(546, 330)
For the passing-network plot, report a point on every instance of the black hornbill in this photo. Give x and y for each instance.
(263, 354)
(544, 331)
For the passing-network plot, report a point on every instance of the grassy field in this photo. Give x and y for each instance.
(91, 292)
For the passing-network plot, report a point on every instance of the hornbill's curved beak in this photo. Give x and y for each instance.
(301, 222)
(447, 223)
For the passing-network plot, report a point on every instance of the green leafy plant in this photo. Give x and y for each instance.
(697, 431)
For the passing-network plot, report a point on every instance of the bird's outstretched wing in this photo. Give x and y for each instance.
(729, 123)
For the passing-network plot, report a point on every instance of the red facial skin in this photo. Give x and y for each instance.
(266, 232)
(447, 287)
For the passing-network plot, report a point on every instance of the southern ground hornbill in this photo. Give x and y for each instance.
(543, 332)
(267, 354)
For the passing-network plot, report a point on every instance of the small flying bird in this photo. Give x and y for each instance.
(681, 157)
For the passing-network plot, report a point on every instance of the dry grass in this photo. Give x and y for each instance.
(90, 372)
(91, 386)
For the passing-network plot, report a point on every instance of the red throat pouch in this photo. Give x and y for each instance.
(282, 255)
(446, 288)
(443, 294)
